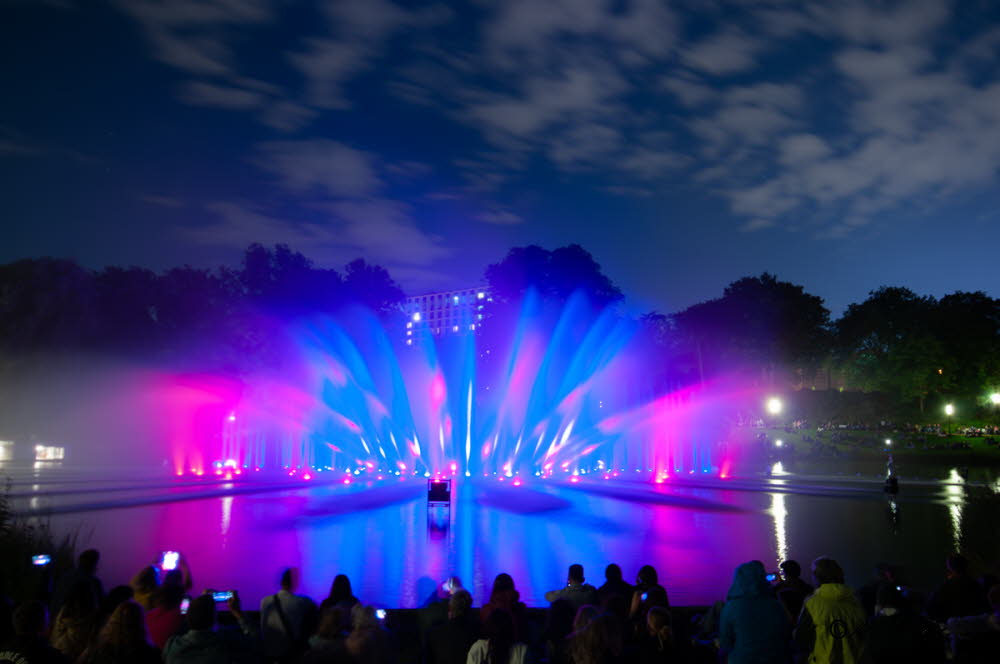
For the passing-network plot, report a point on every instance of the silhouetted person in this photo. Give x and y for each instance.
(656, 644)
(29, 643)
(340, 595)
(648, 593)
(115, 596)
(960, 595)
(165, 618)
(334, 626)
(205, 643)
(144, 585)
(884, 575)
(76, 624)
(84, 573)
(368, 642)
(286, 620)
(577, 592)
(559, 625)
(596, 639)
(831, 626)
(977, 638)
(898, 635)
(792, 591)
(614, 584)
(505, 596)
(449, 643)
(123, 640)
(499, 646)
(755, 627)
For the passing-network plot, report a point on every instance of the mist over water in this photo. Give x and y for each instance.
(565, 444)
(564, 391)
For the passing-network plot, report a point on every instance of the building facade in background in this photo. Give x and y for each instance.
(446, 313)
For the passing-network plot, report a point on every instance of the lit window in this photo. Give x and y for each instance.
(455, 299)
(409, 325)
(454, 328)
(480, 316)
(472, 326)
(409, 333)
(409, 342)
(416, 317)
(49, 453)
(480, 295)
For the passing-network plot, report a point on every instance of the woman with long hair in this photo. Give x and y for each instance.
(77, 621)
(505, 596)
(368, 642)
(340, 595)
(499, 646)
(144, 585)
(123, 639)
(657, 645)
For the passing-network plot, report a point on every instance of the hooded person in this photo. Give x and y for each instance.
(754, 626)
(831, 625)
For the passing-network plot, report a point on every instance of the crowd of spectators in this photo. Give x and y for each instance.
(764, 618)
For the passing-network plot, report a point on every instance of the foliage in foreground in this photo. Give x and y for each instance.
(20, 539)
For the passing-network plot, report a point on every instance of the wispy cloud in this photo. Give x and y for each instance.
(320, 166)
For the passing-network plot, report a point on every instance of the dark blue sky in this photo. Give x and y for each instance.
(840, 145)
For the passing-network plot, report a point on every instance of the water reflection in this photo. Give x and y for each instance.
(893, 514)
(779, 513)
(955, 495)
(387, 540)
(227, 511)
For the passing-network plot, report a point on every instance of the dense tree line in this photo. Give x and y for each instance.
(220, 317)
(773, 334)
(766, 331)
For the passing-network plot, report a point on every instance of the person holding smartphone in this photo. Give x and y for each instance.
(206, 642)
(754, 626)
(576, 591)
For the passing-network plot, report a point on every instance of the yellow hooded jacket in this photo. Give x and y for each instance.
(831, 627)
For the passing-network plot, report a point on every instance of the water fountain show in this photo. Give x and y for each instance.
(557, 440)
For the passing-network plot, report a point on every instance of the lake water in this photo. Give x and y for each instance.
(395, 548)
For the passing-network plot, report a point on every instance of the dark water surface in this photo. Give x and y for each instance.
(394, 548)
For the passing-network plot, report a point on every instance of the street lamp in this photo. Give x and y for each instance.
(995, 398)
(774, 406)
(949, 410)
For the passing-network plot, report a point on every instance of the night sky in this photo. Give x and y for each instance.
(840, 145)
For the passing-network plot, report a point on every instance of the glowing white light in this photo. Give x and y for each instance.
(949, 410)
(955, 495)
(232, 417)
(888, 442)
(455, 299)
(454, 328)
(227, 511)
(995, 398)
(409, 325)
(409, 342)
(774, 406)
(779, 443)
(416, 317)
(480, 295)
(779, 513)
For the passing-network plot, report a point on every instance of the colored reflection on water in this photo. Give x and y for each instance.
(396, 550)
